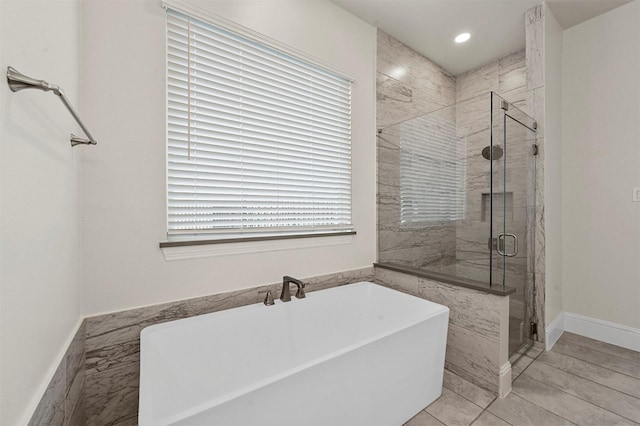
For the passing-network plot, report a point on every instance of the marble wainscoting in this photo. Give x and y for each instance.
(478, 335)
(63, 401)
(113, 343)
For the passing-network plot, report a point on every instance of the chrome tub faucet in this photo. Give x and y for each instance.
(285, 296)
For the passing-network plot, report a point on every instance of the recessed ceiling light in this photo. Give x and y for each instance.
(461, 38)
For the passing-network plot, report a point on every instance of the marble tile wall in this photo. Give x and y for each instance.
(63, 401)
(476, 339)
(534, 33)
(408, 85)
(113, 344)
(403, 75)
(508, 78)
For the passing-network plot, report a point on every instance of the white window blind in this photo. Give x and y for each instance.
(258, 141)
(432, 180)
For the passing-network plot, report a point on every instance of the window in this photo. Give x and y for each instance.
(258, 141)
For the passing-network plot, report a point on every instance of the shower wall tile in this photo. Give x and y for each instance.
(477, 82)
(534, 35)
(535, 14)
(517, 97)
(540, 285)
(504, 75)
(473, 357)
(535, 107)
(432, 258)
(539, 241)
(397, 102)
(62, 402)
(113, 344)
(470, 309)
(507, 77)
(473, 115)
(396, 60)
(398, 237)
(408, 84)
(512, 72)
(475, 324)
(405, 283)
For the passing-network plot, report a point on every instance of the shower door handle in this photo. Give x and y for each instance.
(501, 244)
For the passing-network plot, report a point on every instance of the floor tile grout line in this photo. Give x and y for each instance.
(593, 381)
(534, 359)
(601, 352)
(464, 397)
(524, 354)
(445, 423)
(486, 409)
(606, 353)
(543, 408)
(599, 365)
(519, 396)
(437, 419)
(575, 396)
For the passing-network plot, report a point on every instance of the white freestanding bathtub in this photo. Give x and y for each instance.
(359, 354)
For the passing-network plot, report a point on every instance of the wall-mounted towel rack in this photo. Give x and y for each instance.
(18, 81)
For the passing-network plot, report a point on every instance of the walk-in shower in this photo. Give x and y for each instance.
(456, 200)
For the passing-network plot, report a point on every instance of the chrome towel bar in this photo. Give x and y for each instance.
(18, 81)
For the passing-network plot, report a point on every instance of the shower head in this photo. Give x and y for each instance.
(492, 154)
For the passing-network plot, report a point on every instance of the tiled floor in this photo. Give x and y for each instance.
(580, 381)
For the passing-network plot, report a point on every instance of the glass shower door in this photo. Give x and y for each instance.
(498, 197)
(513, 197)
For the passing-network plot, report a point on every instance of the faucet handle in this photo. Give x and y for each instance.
(268, 299)
(300, 293)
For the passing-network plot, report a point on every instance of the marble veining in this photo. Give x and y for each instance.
(62, 402)
(113, 343)
(51, 409)
(534, 35)
(475, 332)
(111, 396)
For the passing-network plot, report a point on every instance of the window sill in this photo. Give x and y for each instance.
(179, 250)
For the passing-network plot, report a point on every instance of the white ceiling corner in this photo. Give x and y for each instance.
(497, 26)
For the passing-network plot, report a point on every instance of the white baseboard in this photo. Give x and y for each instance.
(554, 330)
(604, 331)
(504, 384)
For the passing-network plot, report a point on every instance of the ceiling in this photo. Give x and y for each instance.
(496, 26)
